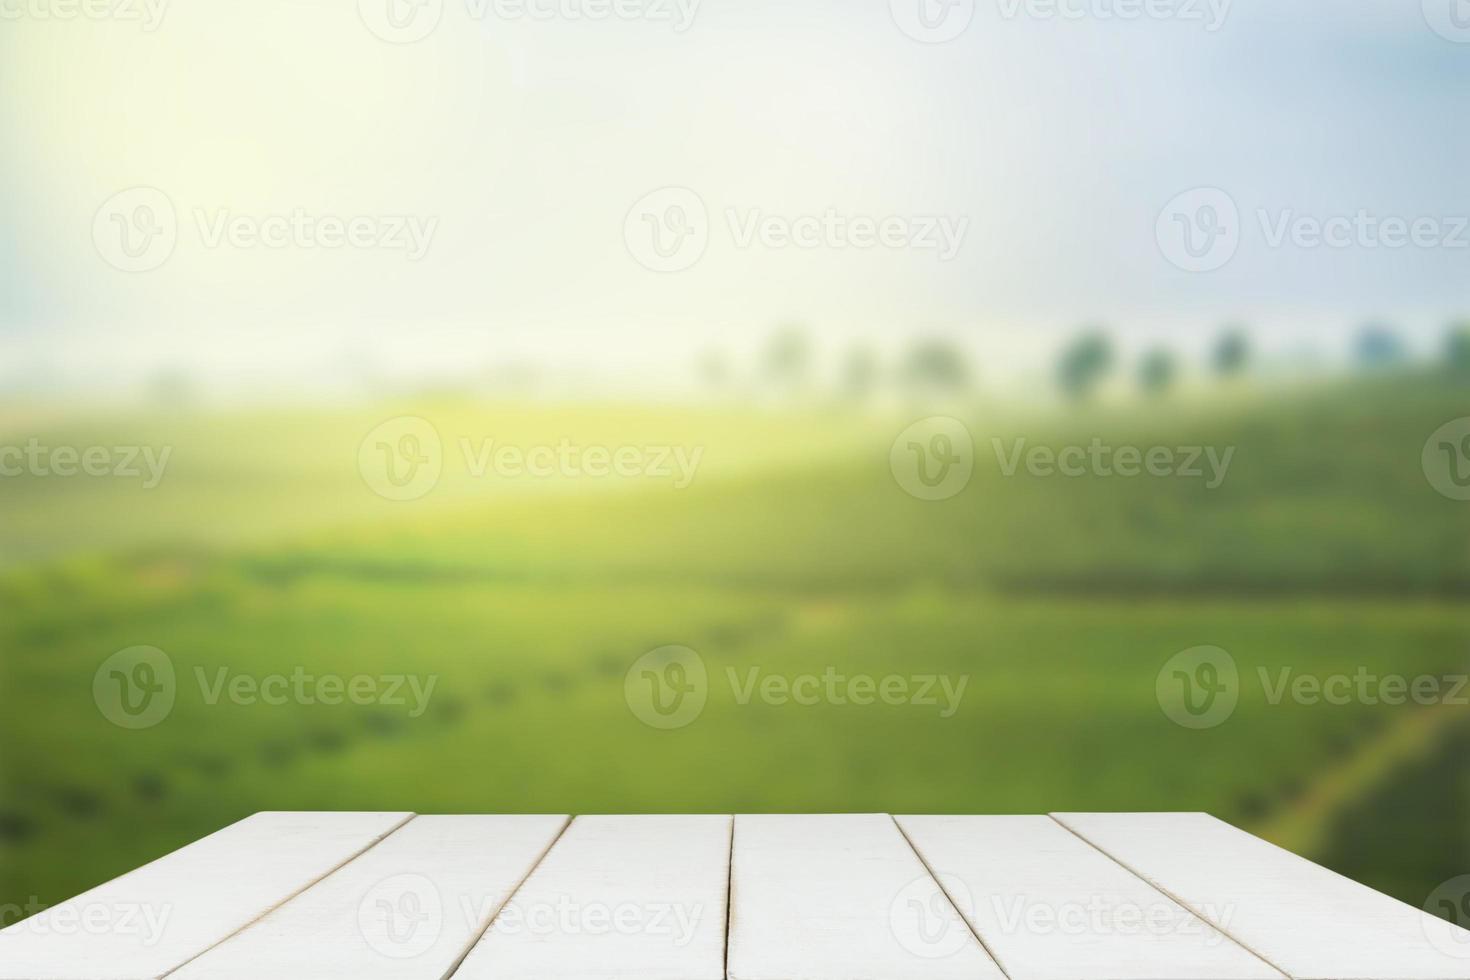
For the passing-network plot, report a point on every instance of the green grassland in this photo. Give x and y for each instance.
(1057, 600)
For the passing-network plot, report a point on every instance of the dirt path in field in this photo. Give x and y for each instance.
(1303, 826)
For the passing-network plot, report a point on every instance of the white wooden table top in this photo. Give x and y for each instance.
(1078, 896)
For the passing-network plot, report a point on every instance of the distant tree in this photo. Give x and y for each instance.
(859, 373)
(515, 376)
(714, 369)
(1084, 363)
(1457, 348)
(936, 366)
(171, 387)
(1379, 347)
(1232, 353)
(1157, 371)
(788, 358)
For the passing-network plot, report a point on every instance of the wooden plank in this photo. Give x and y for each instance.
(838, 897)
(617, 898)
(1050, 907)
(410, 907)
(1310, 922)
(149, 921)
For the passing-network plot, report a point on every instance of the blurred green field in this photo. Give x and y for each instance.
(1058, 599)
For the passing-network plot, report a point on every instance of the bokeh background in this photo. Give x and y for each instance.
(292, 528)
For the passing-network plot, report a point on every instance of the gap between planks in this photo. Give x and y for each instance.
(949, 898)
(286, 898)
(730, 894)
(1177, 899)
(475, 940)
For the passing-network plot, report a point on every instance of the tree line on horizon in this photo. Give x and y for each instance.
(1089, 360)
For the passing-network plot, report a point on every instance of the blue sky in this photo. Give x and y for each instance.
(1057, 140)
